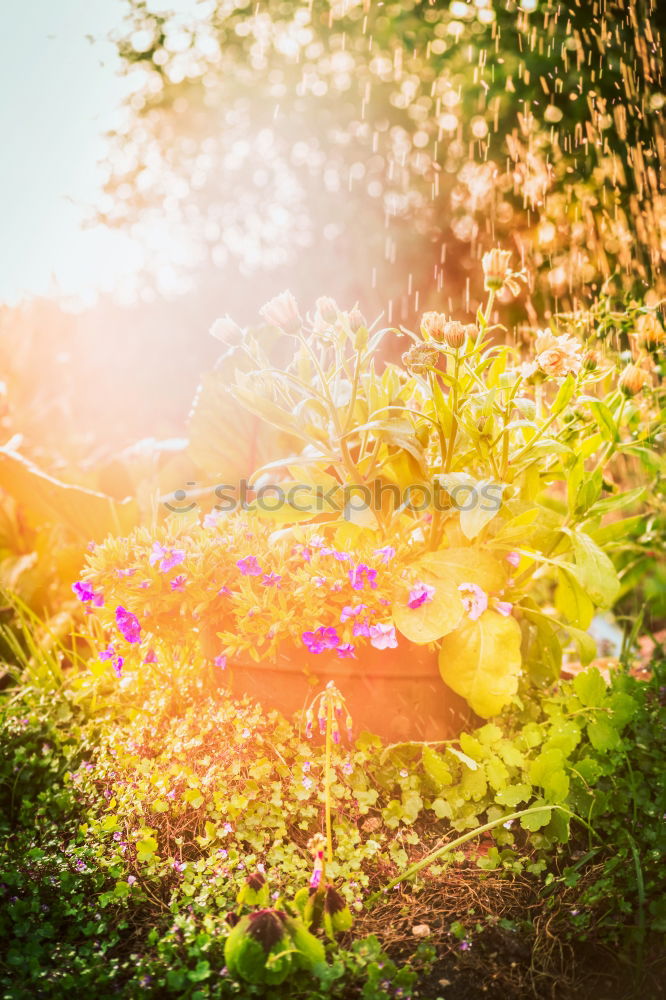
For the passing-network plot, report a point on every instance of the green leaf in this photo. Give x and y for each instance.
(146, 848)
(604, 420)
(595, 571)
(535, 821)
(603, 736)
(436, 767)
(590, 687)
(571, 600)
(511, 795)
(564, 394)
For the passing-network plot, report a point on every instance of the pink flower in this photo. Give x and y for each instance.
(150, 657)
(346, 651)
(282, 311)
(385, 554)
(558, 356)
(85, 593)
(249, 566)
(271, 579)
(513, 558)
(352, 612)
(361, 629)
(503, 608)
(321, 639)
(362, 574)
(167, 558)
(420, 594)
(178, 583)
(476, 600)
(128, 625)
(383, 636)
(220, 661)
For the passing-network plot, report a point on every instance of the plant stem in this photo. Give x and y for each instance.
(327, 782)
(428, 860)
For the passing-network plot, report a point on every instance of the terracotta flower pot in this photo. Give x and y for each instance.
(396, 693)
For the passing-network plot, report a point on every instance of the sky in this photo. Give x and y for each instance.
(60, 91)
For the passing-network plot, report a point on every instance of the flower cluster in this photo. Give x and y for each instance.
(245, 587)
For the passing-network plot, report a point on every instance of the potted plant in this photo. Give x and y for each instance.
(425, 534)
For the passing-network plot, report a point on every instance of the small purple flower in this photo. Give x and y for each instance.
(249, 566)
(319, 581)
(131, 879)
(504, 608)
(271, 579)
(420, 594)
(307, 783)
(352, 612)
(151, 656)
(346, 651)
(347, 767)
(167, 558)
(178, 583)
(475, 600)
(385, 554)
(361, 575)
(383, 636)
(84, 591)
(128, 625)
(361, 629)
(117, 665)
(513, 558)
(321, 639)
(220, 661)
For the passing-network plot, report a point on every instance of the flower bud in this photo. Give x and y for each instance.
(327, 309)
(590, 361)
(455, 334)
(495, 265)
(227, 330)
(650, 332)
(419, 358)
(356, 320)
(632, 380)
(432, 325)
(282, 311)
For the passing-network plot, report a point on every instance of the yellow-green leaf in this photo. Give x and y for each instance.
(481, 662)
(432, 619)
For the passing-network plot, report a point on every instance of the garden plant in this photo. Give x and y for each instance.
(353, 684)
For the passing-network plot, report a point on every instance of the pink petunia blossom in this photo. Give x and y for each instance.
(475, 600)
(352, 612)
(421, 593)
(321, 640)
(382, 636)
